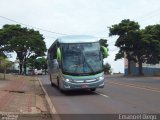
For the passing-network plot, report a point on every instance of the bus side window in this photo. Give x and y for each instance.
(55, 62)
(53, 54)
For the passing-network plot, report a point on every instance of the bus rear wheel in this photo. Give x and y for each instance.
(51, 80)
(58, 84)
(93, 89)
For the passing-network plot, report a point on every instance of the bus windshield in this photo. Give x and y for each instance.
(81, 58)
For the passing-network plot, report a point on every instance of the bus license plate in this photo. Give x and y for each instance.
(84, 86)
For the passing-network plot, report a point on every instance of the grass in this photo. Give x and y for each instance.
(8, 76)
(1, 76)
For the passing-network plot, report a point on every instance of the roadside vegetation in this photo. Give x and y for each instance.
(4, 64)
(107, 68)
(38, 63)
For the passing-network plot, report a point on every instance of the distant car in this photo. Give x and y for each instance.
(38, 72)
(31, 72)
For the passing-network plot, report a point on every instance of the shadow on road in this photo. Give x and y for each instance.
(54, 91)
(79, 92)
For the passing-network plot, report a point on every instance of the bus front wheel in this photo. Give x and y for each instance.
(93, 89)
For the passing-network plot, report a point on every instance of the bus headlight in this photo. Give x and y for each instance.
(67, 80)
(101, 78)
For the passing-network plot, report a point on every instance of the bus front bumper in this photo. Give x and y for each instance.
(72, 86)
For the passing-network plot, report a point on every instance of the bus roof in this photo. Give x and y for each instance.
(77, 39)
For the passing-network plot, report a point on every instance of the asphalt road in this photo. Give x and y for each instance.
(120, 95)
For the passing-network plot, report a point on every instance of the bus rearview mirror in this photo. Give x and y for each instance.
(105, 51)
(59, 55)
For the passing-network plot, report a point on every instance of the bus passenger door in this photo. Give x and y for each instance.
(55, 71)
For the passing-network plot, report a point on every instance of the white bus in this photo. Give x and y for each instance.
(76, 62)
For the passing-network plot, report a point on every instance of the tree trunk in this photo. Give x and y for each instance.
(129, 67)
(45, 71)
(25, 69)
(140, 69)
(20, 68)
(32, 70)
(4, 72)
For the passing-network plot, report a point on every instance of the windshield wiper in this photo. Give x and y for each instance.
(87, 63)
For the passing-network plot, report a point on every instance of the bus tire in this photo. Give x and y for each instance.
(58, 84)
(93, 89)
(52, 84)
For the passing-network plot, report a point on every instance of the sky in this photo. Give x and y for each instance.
(80, 17)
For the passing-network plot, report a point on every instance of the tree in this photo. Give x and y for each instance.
(147, 45)
(107, 68)
(25, 42)
(4, 64)
(44, 64)
(41, 63)
(123, 30)
(152, 38)
(103, 42)
(31, 62)
(2, 54)
(141, 46)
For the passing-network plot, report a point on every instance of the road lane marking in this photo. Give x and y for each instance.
(102, 94)
(134, 86)
(130, 84)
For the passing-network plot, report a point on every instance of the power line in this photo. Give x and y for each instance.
(6, 18)
(32, 26)
(49, 36)
(102, 37)
(149, 15)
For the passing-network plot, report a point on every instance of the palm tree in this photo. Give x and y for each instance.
(4, 64)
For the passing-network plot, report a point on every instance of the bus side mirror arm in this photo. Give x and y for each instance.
(105, 51)
(59, 55)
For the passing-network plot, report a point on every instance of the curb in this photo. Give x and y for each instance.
(52, 110)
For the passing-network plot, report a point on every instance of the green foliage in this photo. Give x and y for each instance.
(124, 31)
(31, 62)
(24, 41)
(151, 36)
(41, 63)
(107, 68)
(103, 42)
(123, 28)
(3, 42)
(2, 54)
(4, 62)
(119, 55)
